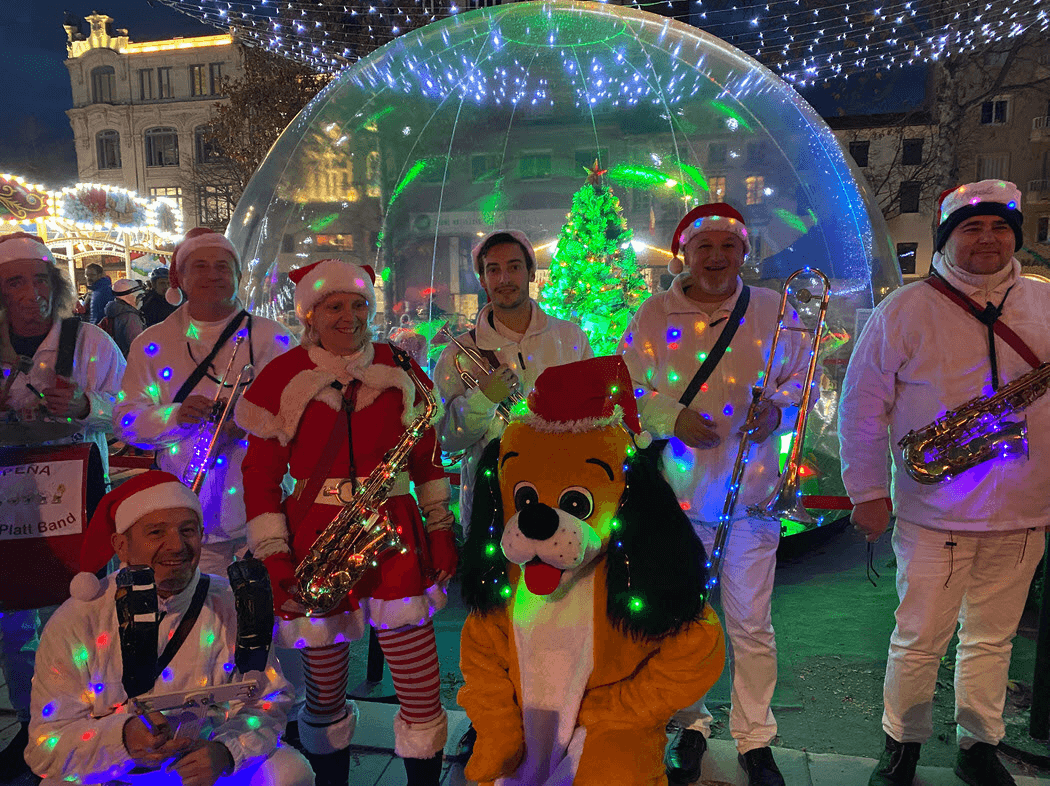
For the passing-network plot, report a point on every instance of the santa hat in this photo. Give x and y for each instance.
(314, 282)
(985, 198)
(516, 236)
(586, 395)
(21, 245)
(116, 512)
(716, 217)
(196, 239)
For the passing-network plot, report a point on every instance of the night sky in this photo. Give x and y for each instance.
(36, 140)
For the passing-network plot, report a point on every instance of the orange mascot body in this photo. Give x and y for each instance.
(589, 625)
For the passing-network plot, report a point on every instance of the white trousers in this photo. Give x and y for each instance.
(746, 592)
(284, 767)
(981, 582)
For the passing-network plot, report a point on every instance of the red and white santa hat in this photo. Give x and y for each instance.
(984, 198)
(116, 512)
(514, 235)
(716, 217)
(21, 245)
(196, 239)
(314, 282)
(586, 395)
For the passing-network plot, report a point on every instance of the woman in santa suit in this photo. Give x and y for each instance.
(325, 412)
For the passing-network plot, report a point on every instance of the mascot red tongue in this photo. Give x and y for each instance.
(541, 578)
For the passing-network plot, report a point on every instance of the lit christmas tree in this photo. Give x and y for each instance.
(594, 276)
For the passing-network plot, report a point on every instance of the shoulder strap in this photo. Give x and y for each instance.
(67, 344)
(719, 349)
(1001, 328)
(204, 365)
(185, 625)
(297, 505)
(488, 354)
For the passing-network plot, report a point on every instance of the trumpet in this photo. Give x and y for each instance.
(503, 409)
(203, 458)
(786, 500)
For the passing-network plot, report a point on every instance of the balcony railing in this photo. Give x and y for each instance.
(1038, 191)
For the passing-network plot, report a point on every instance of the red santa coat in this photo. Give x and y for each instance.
(289, 412)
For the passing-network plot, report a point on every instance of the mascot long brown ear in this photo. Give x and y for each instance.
(482, 566)
(657, 578)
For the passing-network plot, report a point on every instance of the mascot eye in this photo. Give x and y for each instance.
(525, 494)
(578, 501)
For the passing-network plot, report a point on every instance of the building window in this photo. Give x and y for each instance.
(906, 257)
(146, 84)
(214, 205)
(162, 147)
(205, 150)
(716, 153)
(909, 196)
(757, 153)
(535, 166)
(995, 166)
(995, 112)
(107, 146)
(164, 89)
(173, 193)
(859, 152)
(911, 155)
(373, 175)
(717, 186)
(198, 81)
(484, 166)
(1042, 230)
(755, 186)
(215, 78)
(103, 85)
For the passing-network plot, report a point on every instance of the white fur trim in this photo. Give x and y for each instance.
(1001, 191)
(433, 492)
(18, 248)
(715, 224)
(375, 377)
(416, 610)
(282, 425)
(185, 249)
(420, 740)
(575, 426)
(327, 277)
(320, 631)
(320, 738)
(159, 497)
(268, 535)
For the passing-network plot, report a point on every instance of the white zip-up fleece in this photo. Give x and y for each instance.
(663, 348)
(921, 355)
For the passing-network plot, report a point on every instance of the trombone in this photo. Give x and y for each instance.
(503, 409)
(786, 500)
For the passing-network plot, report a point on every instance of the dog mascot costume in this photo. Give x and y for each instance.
(589, 624)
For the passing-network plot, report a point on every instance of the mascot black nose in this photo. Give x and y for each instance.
(538, 521)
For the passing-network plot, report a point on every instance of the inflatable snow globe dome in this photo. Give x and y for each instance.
(491, 119)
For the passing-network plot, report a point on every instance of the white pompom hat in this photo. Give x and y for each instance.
(716, 217)
(21, 245)
(196, 239)
(322, 278)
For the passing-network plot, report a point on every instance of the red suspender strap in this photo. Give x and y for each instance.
(1001, 329)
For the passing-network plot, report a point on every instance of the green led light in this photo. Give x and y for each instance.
(636, 603)
(505, 591)
(490, 549)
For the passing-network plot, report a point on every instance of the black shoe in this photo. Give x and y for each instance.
(330, 769)
(291, 736)
(465, 748)
(897, 764)
(684, 758)
(13, 757)
(424, 772)
(760, 768)
(980, 766)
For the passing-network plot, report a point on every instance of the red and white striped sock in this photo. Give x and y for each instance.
(412, 657)
(325, 671)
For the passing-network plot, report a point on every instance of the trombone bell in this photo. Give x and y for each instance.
(786, 500)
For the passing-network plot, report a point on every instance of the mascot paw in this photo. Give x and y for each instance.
(487, 763)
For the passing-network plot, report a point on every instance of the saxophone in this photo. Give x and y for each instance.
(352, 543)
(975, 432)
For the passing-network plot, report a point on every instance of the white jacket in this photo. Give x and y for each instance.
(98, 367)
(159, 362)
(663, 346)
(78, 707)
(919, 356)
(469, 421)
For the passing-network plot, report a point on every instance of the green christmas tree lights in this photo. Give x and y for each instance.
(594, 276)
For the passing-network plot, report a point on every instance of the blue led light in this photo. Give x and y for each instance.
(151, 349)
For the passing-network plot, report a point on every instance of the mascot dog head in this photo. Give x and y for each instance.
(564, 488)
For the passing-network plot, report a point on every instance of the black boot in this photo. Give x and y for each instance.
(760, 768)
(684, 757)
(896, 765)
(980, 766)
(465, 748)
(12, 758)
(424, 772)
(330, 769)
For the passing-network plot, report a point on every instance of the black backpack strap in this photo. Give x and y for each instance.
(719, 349)
(204, 365)
(185, 625)
(67, 345)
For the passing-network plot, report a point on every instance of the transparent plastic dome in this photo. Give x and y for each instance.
(490, 119)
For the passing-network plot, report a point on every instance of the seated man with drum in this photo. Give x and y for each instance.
(60, 379)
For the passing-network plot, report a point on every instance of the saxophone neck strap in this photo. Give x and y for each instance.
(719, 349)
(989, 315)
(182, 632)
